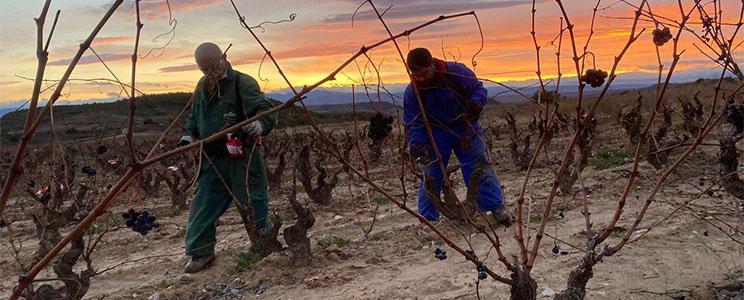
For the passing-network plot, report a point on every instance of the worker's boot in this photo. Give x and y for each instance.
(501, 216)
(199, 263)
(266, 229)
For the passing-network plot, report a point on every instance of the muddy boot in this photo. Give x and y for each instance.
(501, 216)
(198, 263)
(266, 229)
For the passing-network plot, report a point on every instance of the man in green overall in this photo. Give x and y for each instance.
(225, 97)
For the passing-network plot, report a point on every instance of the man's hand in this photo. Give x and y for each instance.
(185, 140)
(472, 112)
(255, 128)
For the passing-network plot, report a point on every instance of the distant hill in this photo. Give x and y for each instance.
(337, 100)
(366, 106)
(154, 113)
(321, 97)
(4, 111)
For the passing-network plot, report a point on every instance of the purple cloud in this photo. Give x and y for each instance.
(181, 68)
(91, 59)
(421, 8)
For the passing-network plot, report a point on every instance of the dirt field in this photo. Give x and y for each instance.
(683, 257)
(397, 261)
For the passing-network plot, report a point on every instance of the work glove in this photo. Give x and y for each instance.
(472, 112)
(254, 128)
(185, 140)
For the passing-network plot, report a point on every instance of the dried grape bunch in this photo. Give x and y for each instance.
(735, 116)
(482, 271)
(88, 170)
(440, 254)
(708, 22)
(140, 221)
(594, 77)
(379, 127)
(661, 36)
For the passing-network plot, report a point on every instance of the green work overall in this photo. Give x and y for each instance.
(212, 198)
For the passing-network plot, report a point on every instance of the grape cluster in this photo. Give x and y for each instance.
(440, 254)
(102, 149)
(482, 272)
(594, 77)
(141, 222)
(735, 115)
(557, 249)
(379, 126)
(88, 170)
(661, 36)
(708, 22)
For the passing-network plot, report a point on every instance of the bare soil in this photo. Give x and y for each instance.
(683, 257)
(397, 260)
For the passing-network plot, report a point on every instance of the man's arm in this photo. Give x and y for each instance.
(466, 78)
(192, 132)
(413, 119)
(254, 102)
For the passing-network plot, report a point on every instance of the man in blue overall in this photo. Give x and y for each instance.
(453, 99)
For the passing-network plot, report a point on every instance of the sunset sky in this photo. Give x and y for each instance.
(319, 38)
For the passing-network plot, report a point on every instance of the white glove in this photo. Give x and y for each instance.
(255, 128)
(185, 140)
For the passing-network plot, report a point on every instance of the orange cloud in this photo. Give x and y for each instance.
(412, 9)
(159, 8)
(181, 68)
(91, 59)
(103, 41)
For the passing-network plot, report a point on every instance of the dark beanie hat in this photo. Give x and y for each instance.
(418, 59)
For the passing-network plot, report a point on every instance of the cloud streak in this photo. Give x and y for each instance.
(181, 68)
(155, 9)
(421, 8)
(91, 59)
(179, 5)
(103, 41)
